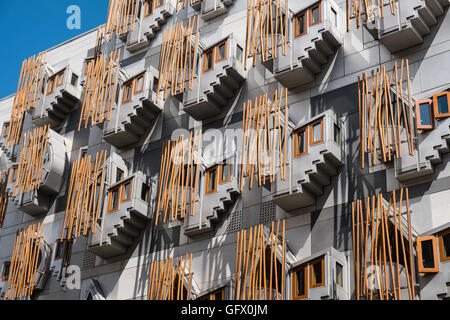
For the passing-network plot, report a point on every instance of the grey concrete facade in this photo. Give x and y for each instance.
(320, 71)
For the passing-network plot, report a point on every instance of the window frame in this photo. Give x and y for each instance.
(58, 243)
(51, 89)
(311, 271)
(59, 76)
(217, 58)
(311, 132)
(4, 276)
(122, 191)
(209, 51)
(421, 268)
(128, 83)
(297, 25)
(221, 181)
(147, 5)
(341, 266)
(418, 119)
(296, 135)
(208, 174)
(110, 193)
(135, 91)
(147, 193)
(442, 256)
(14, 168)
(438, 115)
(310, 10)
(295, 282)
(5, 130)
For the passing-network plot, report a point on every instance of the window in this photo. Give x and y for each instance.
(86, 66)
(139, 84)
(300, 288)
(148, 9)
(339, 274)
(13, 174)
(60, 78)
(50, 85)
(239, 53)
(315, 14)
(424, 115)
(5, 130)
(113, 201)
(127, 92)
(145, 191)
(427, 254)
(317, 273)
(444, 245)
(155, 84)
(216, 295)
(337, 134)
(441, 102)
(221, 51)
(316, 132)
(5, 272)
(300, 24)
(74, 80)
(225, 172)
(159, 3)
(208, 61)
(59, 250)
(126, 191)
(119, 175)
(211, 180)
(300, 142)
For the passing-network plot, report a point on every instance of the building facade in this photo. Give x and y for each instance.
(233, 149)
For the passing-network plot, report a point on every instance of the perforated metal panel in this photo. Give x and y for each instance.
(235, 222)
(88, 260)
(267, 212)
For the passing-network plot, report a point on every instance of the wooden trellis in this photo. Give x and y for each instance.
(28, 91)
(378, 117)
(370, 8)
(179, 177)
(267, 26)
(178, 58)
(100, 89)
(373, 251)
(167, 279)
(84, 198)
(121, 17)
(31, 160)
(4, 178)
(24, 262)
(251, 281)
(265, 134)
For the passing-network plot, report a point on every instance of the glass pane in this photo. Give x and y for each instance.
(317, 132)
(446, 243)
(144, 192)
(317, 272)
(59, 249)
(315, 15)
(126, 191)
(425, 119)
(337, 134)
(222, 49)
(115, 198)
(212, 180)
(427, 254)
(300, 282)
(139, 84)
(119, 175)
(225, 172)
(301, 24)
(301, 142)
(339, 274)
(209, 60)
(219, 296)
(442, 104)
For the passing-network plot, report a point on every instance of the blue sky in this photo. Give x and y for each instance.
(32, 26)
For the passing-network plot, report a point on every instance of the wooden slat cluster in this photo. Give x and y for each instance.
(24, 262)
(264, 19)
(378, 117)
(28, 91)
(100, 89)
(370, 8)
(373, 250)
(179, 163)
(178, 57)
(167, 278)
(251, 281)
(264, 138)
(4, 178)
(121, 17)
(85, 196)
(31, 160)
